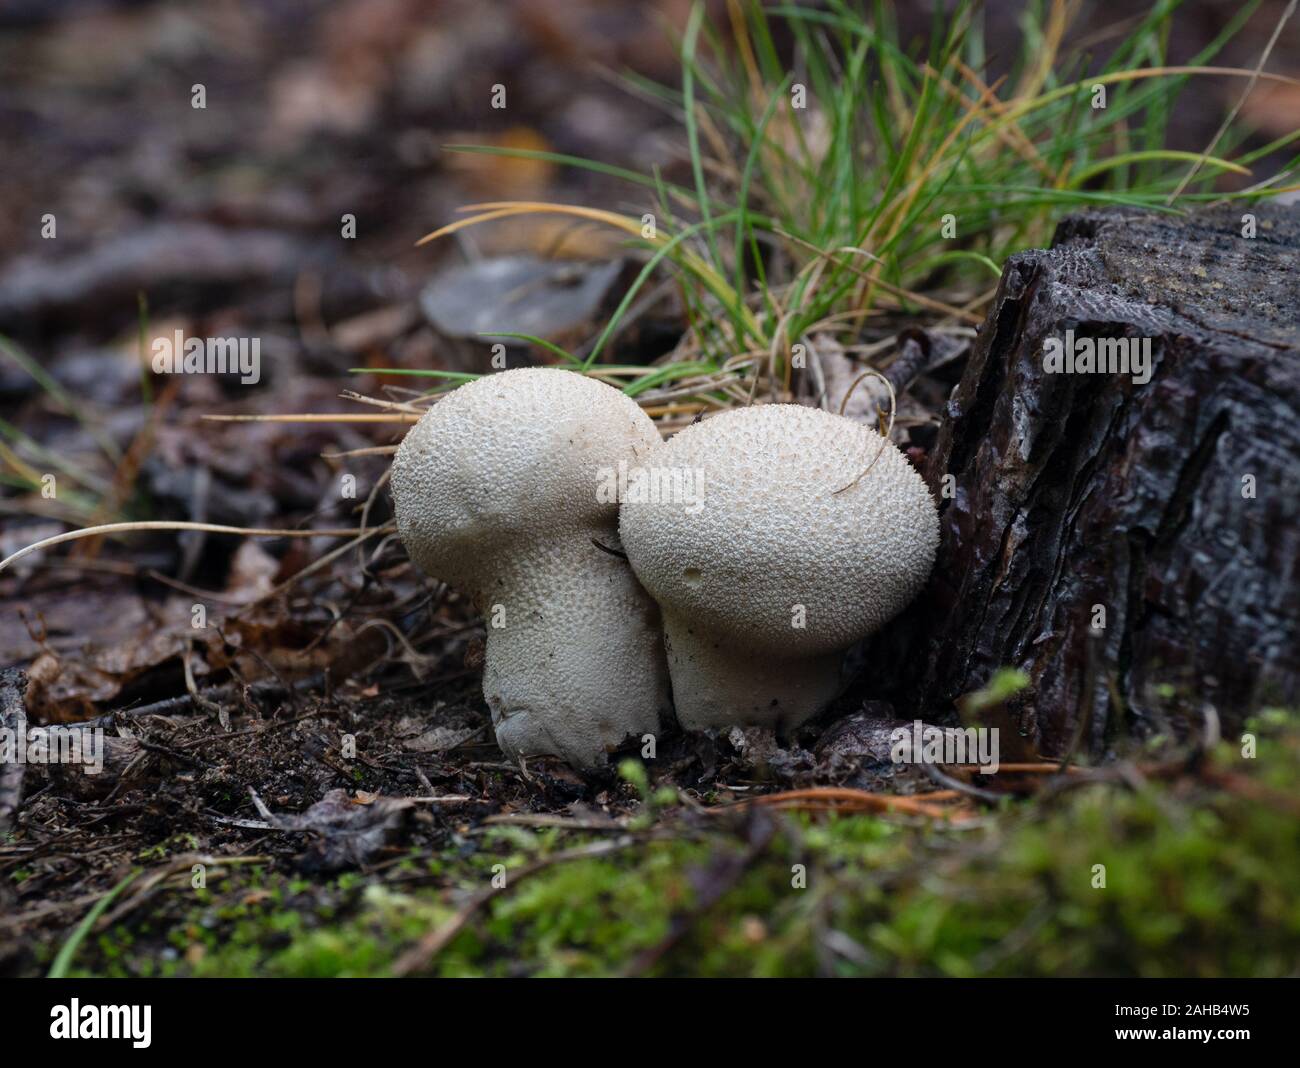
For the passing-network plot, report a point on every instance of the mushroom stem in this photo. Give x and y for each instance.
(717, 685)
(578, 675)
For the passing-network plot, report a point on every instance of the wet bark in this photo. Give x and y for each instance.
(1166, 511)
(13, 685)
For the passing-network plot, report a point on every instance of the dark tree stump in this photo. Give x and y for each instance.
(1070, 491)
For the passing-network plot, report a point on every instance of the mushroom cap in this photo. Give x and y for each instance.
(511, 459)
(773, 534)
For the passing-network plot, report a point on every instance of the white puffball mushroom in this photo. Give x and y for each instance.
(497, 491)
(766, 576)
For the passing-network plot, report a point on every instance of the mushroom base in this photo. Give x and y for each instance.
(716, 685)
(573, 662)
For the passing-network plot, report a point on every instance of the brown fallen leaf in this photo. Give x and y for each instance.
(346, 833)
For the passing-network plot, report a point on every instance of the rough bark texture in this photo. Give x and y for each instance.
(13, 685)
(1070, 491)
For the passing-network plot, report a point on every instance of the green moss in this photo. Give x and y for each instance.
(1170, 878)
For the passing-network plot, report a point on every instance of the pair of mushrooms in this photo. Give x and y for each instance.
(748, 593)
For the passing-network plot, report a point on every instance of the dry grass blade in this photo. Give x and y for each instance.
(154, 524)
(893, 407)
(312, 417)
(1232, 115)
(392, 406)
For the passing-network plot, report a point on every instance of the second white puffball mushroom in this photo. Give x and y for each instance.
(497, 491)
(777, 561)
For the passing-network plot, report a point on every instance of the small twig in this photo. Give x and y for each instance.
(201, 703)
(154, 747)
(568, 823)
(910, 362)
(606, 549)
(262, 689)
(1041, 769)
(941, 778)
(276, 725)
(289, 691)
(316, 565)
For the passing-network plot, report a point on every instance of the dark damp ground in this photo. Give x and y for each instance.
(304, 782)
